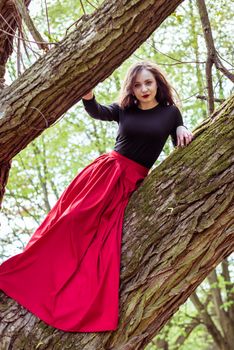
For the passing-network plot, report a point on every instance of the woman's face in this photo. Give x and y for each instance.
(145, 87)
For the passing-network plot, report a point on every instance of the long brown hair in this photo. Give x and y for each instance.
(165, 91)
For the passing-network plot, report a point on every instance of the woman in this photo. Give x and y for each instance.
(68, 273)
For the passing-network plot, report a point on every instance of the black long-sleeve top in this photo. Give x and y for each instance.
(142, 134)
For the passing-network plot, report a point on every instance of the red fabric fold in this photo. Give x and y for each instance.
(68, 273)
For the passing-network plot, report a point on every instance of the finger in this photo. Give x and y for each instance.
(191, 137)
(187, 139)
(178, 141)
(182, 140)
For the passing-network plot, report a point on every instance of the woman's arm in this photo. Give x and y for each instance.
(180, 134)
(99, 111)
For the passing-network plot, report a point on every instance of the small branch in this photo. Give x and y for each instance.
(187, 330)
(210, 52)
(18, 56)
(224, 59)
(178, 61)
(219, 100)
(210, 325)
(212, 55)
(30, 41)
(90, 3)
(219, 65)
(83, 17)
(82, 5)
(23, 11)
(47, 19)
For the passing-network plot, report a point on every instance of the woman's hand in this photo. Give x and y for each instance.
(88, 96)
(184, 136)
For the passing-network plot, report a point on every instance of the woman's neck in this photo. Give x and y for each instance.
(148, 105)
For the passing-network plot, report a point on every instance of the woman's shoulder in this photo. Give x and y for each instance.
(116, 105)
(174, 110)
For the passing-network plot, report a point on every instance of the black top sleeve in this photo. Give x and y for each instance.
(178, 121)
(101, 112)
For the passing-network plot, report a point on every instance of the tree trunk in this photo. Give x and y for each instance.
(178, 227)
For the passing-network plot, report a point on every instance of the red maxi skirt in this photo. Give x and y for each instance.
(68, 273)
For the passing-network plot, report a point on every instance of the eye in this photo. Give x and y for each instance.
(136, 85)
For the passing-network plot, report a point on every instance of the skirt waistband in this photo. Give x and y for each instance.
(141, 168)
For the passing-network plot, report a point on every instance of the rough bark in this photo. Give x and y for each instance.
(178, 227)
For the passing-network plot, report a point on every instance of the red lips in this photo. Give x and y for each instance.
(145, 96)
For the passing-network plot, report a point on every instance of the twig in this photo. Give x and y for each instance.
(83, 8)
(92, 5)
(46, 122)
(47, 19)
(172, 58)
(220, 100)
(31, 41)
